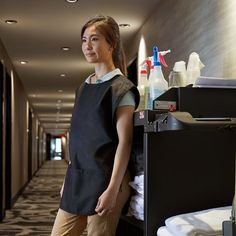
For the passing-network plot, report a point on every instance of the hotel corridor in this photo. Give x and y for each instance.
(35, 210)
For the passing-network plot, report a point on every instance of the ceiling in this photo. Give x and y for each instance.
(43, 27)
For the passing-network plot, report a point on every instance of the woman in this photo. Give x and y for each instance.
(96, 184)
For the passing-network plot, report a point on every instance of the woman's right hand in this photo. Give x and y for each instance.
(106, 202)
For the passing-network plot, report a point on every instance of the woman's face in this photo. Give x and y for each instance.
(95, 47)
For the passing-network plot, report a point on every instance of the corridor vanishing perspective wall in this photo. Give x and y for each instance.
(19, 134)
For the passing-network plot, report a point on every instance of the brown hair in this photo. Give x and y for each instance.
(109, 28)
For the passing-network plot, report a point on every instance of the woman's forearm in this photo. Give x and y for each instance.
(125, 134)
(120, 165)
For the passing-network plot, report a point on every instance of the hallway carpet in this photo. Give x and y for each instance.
(35, 210)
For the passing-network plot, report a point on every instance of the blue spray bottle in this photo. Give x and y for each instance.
(157, 83)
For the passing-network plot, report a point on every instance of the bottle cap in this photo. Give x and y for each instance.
(143, 71)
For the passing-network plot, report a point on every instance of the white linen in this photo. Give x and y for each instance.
(136, 208)
(138, 184)
(163, 231)
(206, 222)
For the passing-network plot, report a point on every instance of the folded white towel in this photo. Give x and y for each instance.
(136, 214)
(136, 207)
(136, 204)
(138, 184)
(163, 231)
(207, 222)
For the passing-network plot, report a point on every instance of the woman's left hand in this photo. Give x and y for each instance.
(106, 202)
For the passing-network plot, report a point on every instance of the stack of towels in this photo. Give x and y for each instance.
(136, 208)
(200, 223)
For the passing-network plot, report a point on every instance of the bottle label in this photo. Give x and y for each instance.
(141, 103)
(144, 98)
(154, 93)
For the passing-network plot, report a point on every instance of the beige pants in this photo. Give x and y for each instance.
(67, 224)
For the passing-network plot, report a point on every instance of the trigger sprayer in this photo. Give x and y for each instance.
(157, 83)
(161, 54)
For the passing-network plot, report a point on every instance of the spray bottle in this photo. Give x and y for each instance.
(157, 83)
(161, 54)
(143, 88)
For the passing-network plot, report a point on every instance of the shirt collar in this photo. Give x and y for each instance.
(106, 77)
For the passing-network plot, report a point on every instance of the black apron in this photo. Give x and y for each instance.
(92, 143)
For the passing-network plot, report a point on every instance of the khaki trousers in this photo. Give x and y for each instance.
(67, 224)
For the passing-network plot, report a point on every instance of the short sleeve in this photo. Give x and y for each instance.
(127, 100)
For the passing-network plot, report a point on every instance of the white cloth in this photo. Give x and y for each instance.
(163, 231)
(136, 214)
(138, 184)
(200, 223)
(136, 208)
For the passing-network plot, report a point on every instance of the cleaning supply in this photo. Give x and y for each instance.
(143, 88)
(193, 68)
(178, 77)
(161, 54)
(157, 83)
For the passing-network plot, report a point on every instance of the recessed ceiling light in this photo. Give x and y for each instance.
(63, 75)
(59, 101)
(60, 90)
(124, 25)
(10, 22)
(72, 1)
(65, 48)
(23, 62)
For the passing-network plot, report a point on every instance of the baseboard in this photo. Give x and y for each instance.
(14, 199)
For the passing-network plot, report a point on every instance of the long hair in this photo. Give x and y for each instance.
(109, 28)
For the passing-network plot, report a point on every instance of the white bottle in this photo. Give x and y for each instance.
(157, 83)
(143, 88)
(194, 68)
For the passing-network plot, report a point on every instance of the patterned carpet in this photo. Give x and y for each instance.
(35, 210)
